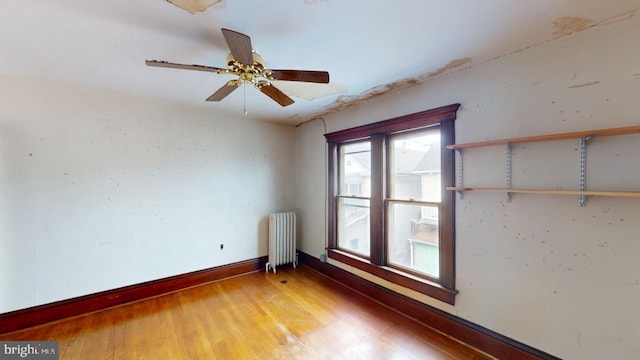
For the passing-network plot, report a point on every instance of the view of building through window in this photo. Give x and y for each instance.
(388, 210)
(412, 207)
(414, 201)
(354, 197)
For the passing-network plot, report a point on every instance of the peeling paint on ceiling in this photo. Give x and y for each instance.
(194, 6)
(453, 64)
(316, 33)
(568, 25)
(347, 101)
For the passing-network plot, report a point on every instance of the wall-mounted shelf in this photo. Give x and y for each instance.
(550, 137)
(549, 192)
(581, 192)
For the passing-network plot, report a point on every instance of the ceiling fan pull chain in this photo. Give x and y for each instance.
(244, 90)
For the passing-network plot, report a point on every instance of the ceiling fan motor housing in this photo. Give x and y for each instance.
(248, 73)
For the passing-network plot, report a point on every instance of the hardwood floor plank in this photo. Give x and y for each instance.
(294, 314)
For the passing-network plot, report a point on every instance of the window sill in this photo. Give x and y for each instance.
(395, 276)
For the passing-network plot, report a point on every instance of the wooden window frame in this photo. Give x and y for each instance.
(442, 288)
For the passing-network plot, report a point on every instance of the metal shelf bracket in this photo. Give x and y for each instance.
(583, 169)
(459, 182)
(509, 194)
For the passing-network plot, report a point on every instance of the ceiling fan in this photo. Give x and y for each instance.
(250, 68)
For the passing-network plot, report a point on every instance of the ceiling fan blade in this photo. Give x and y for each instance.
(240, 46)
(181, 66)
(301, 75)
(273, 92)
(223, 92)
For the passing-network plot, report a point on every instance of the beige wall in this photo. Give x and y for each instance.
(99, 190)
(540, 269)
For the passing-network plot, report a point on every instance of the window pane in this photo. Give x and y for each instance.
(353, 225)
(355, 169)
(415, 166)
(413, 238)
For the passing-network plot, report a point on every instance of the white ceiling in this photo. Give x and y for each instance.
(369, 47)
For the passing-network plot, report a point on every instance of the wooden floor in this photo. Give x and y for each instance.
(294, 314)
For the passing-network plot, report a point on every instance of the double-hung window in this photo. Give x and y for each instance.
(354, 197)
(390, 213)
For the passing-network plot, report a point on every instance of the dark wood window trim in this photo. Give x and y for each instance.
(443, 288)
(411, 121)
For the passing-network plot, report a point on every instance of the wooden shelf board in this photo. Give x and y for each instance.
(561, 136)
(550, 192)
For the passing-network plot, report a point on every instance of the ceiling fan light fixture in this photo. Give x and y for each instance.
(247, 73)
(249, 67)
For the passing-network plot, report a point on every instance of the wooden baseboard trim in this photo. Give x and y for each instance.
(58, 310)
(469, 333)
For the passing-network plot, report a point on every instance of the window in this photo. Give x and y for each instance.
(413, 203)
(354, 197)
(390, 213)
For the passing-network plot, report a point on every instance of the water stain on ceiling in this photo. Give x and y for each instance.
(194, 6)
(347, 101)
(561, 27)
(568, 25)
